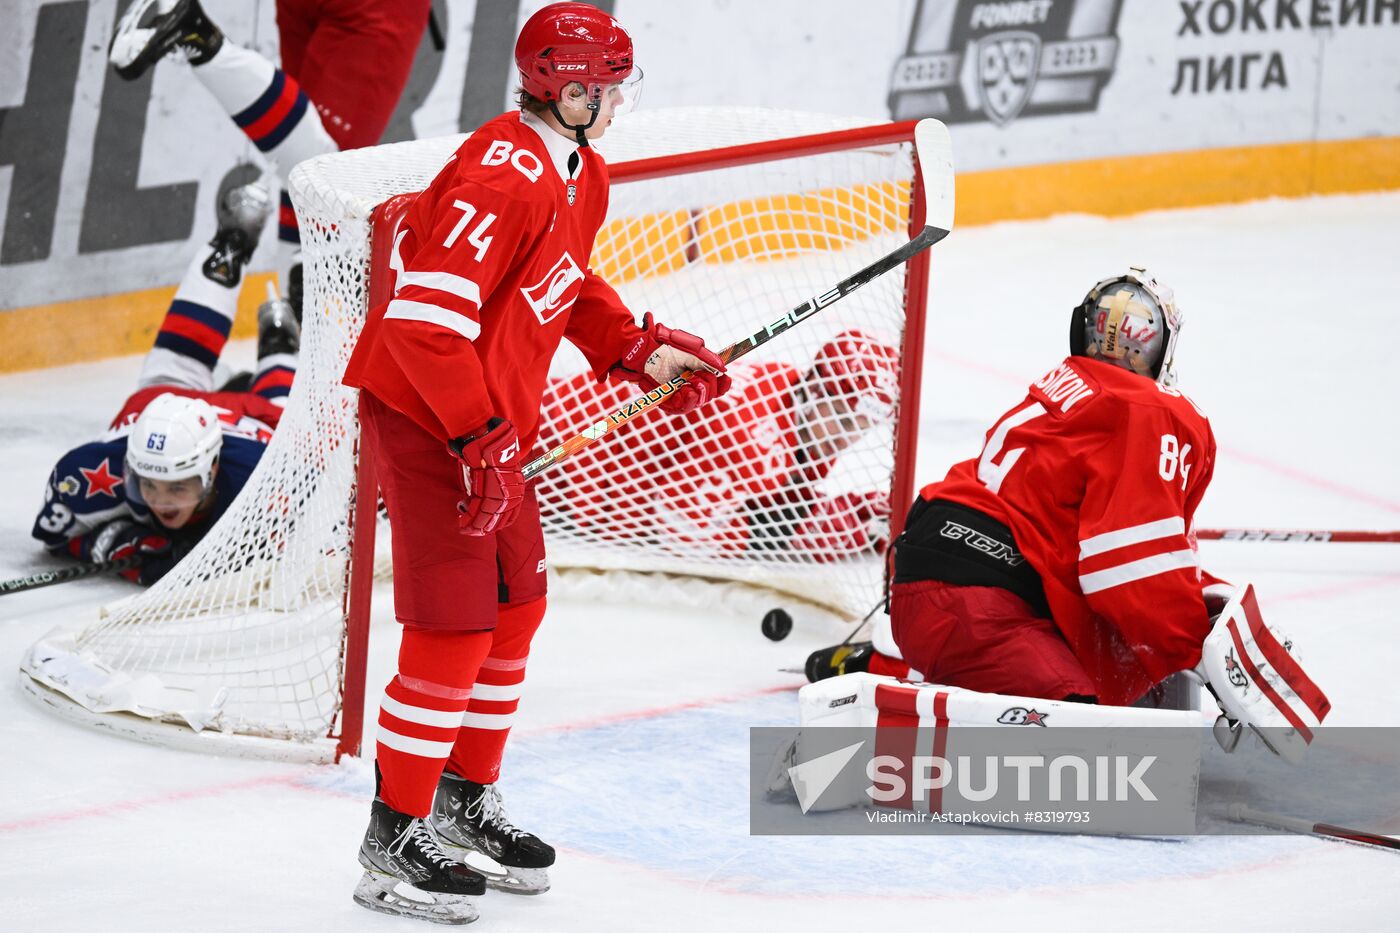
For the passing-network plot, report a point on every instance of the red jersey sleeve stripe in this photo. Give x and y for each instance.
(1136, 570)
(1133, 534)
(458, 285)
(403, 310)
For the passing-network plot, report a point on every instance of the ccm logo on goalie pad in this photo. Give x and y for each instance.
(556, 293)
(525, 161)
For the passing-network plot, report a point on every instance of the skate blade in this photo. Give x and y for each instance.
(390, 896)
(520, 881)
(499, 877)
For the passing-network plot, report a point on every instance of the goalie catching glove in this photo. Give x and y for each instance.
(491, 476)
(1255, 677)
(660, 354)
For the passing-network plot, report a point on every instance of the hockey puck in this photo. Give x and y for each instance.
(777, 624)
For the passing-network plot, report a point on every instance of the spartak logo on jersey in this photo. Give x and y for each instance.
(556, 293)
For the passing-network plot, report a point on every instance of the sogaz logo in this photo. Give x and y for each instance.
(997, 60)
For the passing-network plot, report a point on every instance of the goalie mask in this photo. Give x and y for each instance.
(174, 439)
(1130, 321)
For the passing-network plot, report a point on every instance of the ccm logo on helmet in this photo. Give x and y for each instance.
(525, 161)
(570, 66)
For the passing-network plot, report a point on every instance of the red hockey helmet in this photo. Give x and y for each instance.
(568, 42)
(859, 370)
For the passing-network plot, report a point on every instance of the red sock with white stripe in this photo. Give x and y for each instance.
(421, 714)
(496, 695)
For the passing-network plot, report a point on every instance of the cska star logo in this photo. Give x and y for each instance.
(100, 482)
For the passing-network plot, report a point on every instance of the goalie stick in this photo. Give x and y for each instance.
(1239, 813)
(50, 577)
(1298, 534)
(934, 150)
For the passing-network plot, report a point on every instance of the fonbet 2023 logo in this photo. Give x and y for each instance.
(972, 60)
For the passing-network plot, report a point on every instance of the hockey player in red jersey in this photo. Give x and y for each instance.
(492, 272)
(1060, 562)
(741, 475)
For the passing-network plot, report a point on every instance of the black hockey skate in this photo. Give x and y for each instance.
(278, 330)
(469, 816)
(407, 873)
(839, 659)
(242, 212)
(151, 29)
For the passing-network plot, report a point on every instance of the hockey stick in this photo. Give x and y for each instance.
(50, 577)
(1242, 814)
(1297, 534)
(934, 150)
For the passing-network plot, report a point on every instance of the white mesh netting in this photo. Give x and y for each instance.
(782, 484)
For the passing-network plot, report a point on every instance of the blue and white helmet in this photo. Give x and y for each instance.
(1130, 321)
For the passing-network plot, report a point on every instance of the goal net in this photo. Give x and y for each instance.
(719, 221)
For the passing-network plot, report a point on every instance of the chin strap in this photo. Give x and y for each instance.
(579, 129)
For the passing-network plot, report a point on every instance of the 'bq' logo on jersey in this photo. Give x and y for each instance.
(995, 60)
(556, 293)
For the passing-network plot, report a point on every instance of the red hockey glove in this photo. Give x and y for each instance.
(660, 354)
(122, 539)
(494, 483)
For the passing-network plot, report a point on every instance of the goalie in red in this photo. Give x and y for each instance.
(1061, 563)
(741, 475)
(492, 273)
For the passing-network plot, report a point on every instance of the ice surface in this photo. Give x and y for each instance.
(630, 749)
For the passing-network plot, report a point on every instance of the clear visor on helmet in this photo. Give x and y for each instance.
(613, 98)
(163, 495)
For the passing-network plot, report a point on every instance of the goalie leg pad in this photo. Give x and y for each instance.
(928, 719)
